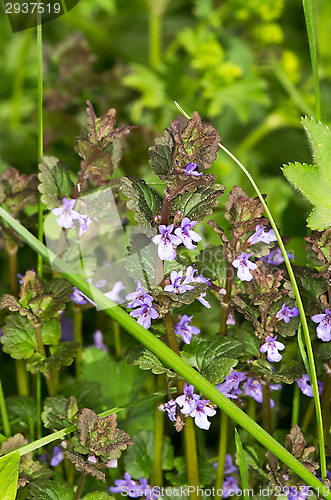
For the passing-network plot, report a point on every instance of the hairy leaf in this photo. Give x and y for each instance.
(162, 154)
(146, 360)
(243, 212)
(289, 372)
(9, 468)
(314, 181)
(51, 489)
(55, 183)
(83, 465)
(55, 412)
(197, 205)
(211, 263)
(17, 190)
(143, 201)
(62, 354)
(19, 337)
(95, 161)
(102, 130)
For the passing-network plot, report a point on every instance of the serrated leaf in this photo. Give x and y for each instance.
(215, 355)
(143, 201)
(19, 337)
(197, 205)
(51, 489)
(189, 296)
(62, 354)
(314, 181)
(95, 161)
(211, 263)
(9, 468)
(289, 372)
(140, 456)
(17, 190)
(146, 360)
(162, 153)
(55, 183)
(54, 414)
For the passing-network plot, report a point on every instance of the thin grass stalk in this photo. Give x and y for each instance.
(40, 136)
(167, 356)
(223, 444)
(4, 413)
(18, 82)
(242, 465)
(78, 337)
(157, 475)
(309, 18)
(312, 368)
(295, 406)
(80, 486)
(117, 339)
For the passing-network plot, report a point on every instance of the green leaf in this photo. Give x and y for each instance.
(250, 341)
(9, 475)
(97, 495)
(19, 337)
(95, 161)
(211, 262)
(314, 181)
(51, 489)
(198, 204)
(21, 412)
(55, 183)
(62, 354)
(143, 201)
(55, 413)
(162, 153)
(140, 456)
(126, 380)
(289, 372)
(51, 332)
(215, 356)
(242, 464)
(207, 473)
(146, 360)
(187, 297)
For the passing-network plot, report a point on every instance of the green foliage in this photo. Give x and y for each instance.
(55, 182)
(9, 466)
(140, 457)
(59, 412)
(206, 471)
(97, 495)
(17, 190)
(289, 372)
(197, 205)
(211, 263)
(51, 489)
(313, 180)
(61, 355)
(161, 154)
(143, 201)
(146, 360)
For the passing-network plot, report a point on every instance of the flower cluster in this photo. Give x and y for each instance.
(133, 489)
(253, 388)
(177, 286)
(167, 242)
(67, 215)
(143, 302)
(190, 404)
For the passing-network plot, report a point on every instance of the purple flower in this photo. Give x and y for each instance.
(189, 278)
(244, 266)
(166, 242)
(170, 407)
(176, 285)
(187, 400)
(57, 456)
(230, 486)
(324, 328)
(146, 490)
(186, 235)
(113, 294)
(304, 386)
(229, 468)
(190, 169)
(299, 493)
(271, 347)
(253, 388)
(231, 383)
(286, 313)
(201, 412)
(98, 340)
(66, 216)
(185, 330)
(112, 464)
(275, 257)
(145, 313)
(137, 298)
(231, 319)
(127, 485)
(80, 297)
(261, 235)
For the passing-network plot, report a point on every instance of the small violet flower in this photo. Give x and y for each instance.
(137, 298)
(145, 313)
(186, 235)
(57, 456)
(187, 400)
(244, 266)
(253, 388)
(324, 328)
(190, 169)
(170, 407)
(201, 413)
(125, 484)
(271, 347)
(231, 383)
(305, 387)
(261, 235)
(229, 468)
(286, 313)
(230, 486)
(113, 294)
(166, 242)
(98, 340)
(189, 278)
(299, 493)
(66, 216)
(176, 285)
(185, 330)
(275, 257)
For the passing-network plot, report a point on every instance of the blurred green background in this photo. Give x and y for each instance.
(242, 64)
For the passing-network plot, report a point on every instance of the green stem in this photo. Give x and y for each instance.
(18, 82)
(78, 337)
(41, 349)
(38, 404)
(223, 444)
(156, 11)
(242, 466)
(168, 357)
(117, 339)
(226, 299)
(266, 409)
(80, 486)
(4, 414)
(40, 138)
(295, 406)
(13, 271)
(157, 476)
(325, 399)
(191, 454)
(309, 17)
(308, 415)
